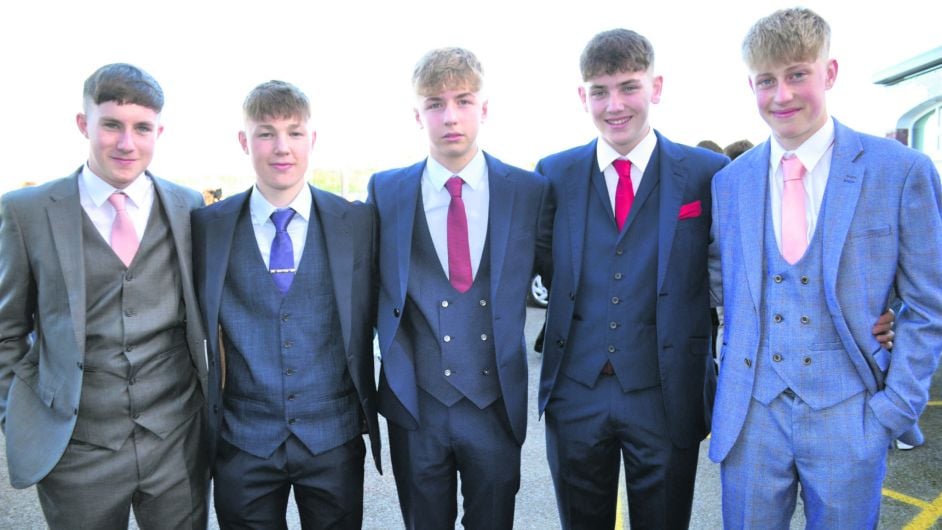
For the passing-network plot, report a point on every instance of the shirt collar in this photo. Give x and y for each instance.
(261, 209)
(639, 156)
(473, 174)
(809, 152)
(99, 190)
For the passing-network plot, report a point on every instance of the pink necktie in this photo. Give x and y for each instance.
(624, 192)
(124, 240)
(459, 252)
(794, 222)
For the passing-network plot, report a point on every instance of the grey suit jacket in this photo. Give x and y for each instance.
(42, 316)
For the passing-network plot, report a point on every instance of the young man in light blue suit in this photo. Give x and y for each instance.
(453, 384)
(806, 394)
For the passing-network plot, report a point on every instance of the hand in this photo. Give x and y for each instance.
(883, 329)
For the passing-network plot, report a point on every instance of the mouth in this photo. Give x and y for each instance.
(784, 114)
(618, 122)
(452, 137)
(123, 162)
(281, 166)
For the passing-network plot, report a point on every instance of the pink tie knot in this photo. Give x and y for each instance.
(117, 200)
(454, 186)
(792, 167)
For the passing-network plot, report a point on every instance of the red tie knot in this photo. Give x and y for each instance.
(622, 167)
(454, 186)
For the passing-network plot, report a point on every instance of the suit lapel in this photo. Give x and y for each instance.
(500, 215)
(65, 218)
(407, 196)
(218, 248)
(840, 202)
(672, 175)
(338, 244)
(752, 200)
(581, 170)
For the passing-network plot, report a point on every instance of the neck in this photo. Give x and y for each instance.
(280, 198)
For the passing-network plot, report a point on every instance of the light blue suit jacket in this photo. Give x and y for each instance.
(882, 229)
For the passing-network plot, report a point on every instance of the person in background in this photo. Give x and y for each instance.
(733, 150)
(102, 355)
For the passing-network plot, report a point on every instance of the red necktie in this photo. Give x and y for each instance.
(124, 240)
(794, 222)
(459, 252)
(624, 192)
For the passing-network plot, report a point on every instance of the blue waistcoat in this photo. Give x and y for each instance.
(286, 370)
(799, 347)
(451, 332)
(614, 315)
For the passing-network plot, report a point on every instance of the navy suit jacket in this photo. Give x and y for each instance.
(517, 198)
(683, 323)
(882, 233)
(350, 238)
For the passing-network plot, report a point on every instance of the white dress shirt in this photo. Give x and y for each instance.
(815, 154)
(476, 196)
(94, 193)
(639, 157)
(261, 211)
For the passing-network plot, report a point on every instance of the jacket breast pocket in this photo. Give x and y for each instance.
(873, 231)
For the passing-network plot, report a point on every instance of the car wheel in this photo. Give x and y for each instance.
(538, 295)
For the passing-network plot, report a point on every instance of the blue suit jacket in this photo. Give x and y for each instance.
(517, 198)
(683, 323)
(882, 231)
(349, 235)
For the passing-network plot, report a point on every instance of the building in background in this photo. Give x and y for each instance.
(919, 81)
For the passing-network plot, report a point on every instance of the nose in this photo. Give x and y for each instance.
(281, 144)
(782, 92)
(451, 113)
(126, 141)
(615, 104)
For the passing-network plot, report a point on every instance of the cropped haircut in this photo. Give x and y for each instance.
(614, 51)
(789, 35)
(124, 84)
(447, 68)
(276, 99)
(737, 148)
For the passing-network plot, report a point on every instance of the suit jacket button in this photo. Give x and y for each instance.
(396, 312)
(483, 303)
(777, 278)
(572, 296)
(748, 362)
(75, 412)
(483, 336)
(777, 358)
(777, 319)
(805, 320)
(447, 338)
(292, 421)
(806, 361)
(80, 366)
(804, 280)
(444, 303)
(560, 343)
(447, 372)
(215, 409)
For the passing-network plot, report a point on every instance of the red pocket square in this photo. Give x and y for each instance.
(689, 210)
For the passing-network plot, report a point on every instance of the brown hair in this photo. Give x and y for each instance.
(276, 99)
(614, 51)
(788, 35)
(125, 84)
(445, 68)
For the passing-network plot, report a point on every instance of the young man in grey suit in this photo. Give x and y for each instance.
(102, 363)
(285, 274)
(815, 230)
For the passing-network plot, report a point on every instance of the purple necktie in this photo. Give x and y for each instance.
(794, 221)
(281, 258)
(624, 192)
(124, 240)
(459, 252)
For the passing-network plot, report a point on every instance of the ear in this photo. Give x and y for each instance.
(82, 121)
(751, 85)
(244, 142)
(483, 111)
(160, 130)
(656, 85)
(582, 96)
(313, 138)
(830, 74)
(418, 118)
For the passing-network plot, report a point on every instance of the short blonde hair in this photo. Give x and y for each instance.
(276, 99)
(786, 36)
(446, 68)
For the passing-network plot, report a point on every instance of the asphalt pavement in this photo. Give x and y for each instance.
(912, 490)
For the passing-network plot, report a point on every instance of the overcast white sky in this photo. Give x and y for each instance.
(354, 59)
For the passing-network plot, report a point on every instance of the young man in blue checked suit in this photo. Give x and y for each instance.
(815, 230)
(285, 274)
